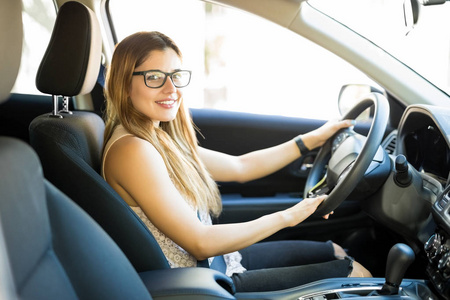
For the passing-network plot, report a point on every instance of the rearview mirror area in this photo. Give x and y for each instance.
(350, 94)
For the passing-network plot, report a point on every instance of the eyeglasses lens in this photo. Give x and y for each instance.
(154, 79)
(181, 79)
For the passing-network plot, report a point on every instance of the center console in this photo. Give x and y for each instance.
(188, 283)
(347, 288)
(393, 287)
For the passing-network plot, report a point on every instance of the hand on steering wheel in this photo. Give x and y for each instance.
(326, 131)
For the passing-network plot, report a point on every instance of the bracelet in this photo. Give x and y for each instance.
(301, 146)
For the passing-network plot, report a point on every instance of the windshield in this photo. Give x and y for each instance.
(423, 46)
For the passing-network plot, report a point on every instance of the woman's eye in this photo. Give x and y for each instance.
(153, 77)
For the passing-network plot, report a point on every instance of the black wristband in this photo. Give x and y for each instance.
(301, 146)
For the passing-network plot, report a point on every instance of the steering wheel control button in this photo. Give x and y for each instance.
(339, 139)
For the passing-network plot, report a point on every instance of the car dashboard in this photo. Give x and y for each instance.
(424, 141)
(423, 138)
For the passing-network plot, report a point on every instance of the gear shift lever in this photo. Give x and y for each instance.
(399, 259)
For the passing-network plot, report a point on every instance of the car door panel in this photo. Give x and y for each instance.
(237, 133)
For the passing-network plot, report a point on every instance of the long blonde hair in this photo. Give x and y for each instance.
(175, 140)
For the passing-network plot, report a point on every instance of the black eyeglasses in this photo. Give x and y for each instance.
(155, 78)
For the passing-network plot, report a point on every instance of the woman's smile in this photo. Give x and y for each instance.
(167, 103)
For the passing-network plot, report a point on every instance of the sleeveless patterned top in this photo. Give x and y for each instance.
(176, 256)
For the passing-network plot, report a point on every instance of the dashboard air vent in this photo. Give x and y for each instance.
(390, 142)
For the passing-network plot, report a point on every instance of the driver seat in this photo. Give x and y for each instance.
(69, 144)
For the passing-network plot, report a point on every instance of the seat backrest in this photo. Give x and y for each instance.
(49, 247)
(56, 251)
(10, 54)
(70, 144)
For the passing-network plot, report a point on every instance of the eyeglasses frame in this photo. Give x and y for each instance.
(165, 78)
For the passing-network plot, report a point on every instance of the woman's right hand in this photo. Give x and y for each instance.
(302, 210)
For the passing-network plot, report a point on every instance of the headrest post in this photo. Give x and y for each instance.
(55, 113)
(65, 108)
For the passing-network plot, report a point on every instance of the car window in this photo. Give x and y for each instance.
(38, 18)
(241, 62)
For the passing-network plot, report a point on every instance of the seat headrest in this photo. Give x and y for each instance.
(71, 63)
(10, 45)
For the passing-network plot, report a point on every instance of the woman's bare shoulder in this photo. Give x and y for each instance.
(131, 144)
(133, 153)
(130, 165)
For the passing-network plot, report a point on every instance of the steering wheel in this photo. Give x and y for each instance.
(348, 156)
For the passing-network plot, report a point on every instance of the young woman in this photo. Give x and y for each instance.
(152, 159)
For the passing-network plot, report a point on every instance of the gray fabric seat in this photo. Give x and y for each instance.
(49, 247)
(56, 251)
(69, 145)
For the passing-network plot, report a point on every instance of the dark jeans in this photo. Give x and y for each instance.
(280, 265)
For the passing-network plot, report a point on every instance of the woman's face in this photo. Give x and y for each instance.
(159, 104)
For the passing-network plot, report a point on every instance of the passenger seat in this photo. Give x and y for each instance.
(49, 247)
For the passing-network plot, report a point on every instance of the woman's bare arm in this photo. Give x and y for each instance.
(257, 164)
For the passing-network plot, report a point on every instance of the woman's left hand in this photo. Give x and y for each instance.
(323, 133)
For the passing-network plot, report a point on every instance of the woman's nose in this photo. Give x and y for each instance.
(169, 86)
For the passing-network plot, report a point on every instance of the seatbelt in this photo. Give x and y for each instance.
(217, 264)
